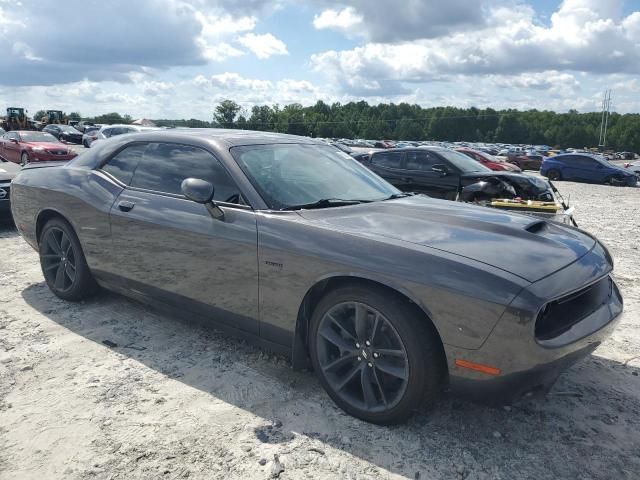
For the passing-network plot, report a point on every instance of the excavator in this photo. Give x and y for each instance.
(16, 119)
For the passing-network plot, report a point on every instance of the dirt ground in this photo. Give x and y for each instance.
(174, 401)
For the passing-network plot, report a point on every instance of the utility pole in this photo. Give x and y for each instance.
(604, 122)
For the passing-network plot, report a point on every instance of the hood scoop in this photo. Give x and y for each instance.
(536, 226)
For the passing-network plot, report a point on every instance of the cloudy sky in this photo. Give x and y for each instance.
(178, 58)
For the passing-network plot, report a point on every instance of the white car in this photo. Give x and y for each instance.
(109, 131)
(634, 167)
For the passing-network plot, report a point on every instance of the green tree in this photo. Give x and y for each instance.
(225, 113)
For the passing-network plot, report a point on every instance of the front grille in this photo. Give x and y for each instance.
(560, 315)
(4, 192)
(58, 152)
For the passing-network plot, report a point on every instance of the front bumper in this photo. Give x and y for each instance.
(5, 208)
(5, 203)
(71, 139)
(529, 365)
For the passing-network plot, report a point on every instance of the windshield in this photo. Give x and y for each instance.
(462, 162)
(287, 175)
(67, 128)
(38, 137)
(490, 157)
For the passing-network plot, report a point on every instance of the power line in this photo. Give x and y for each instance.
(604, 122)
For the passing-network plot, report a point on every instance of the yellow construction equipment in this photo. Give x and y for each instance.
(16, 119)
(54, 117)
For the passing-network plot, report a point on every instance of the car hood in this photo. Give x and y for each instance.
(525, 246)
(8, 171)
(619, 169)
(47, 145)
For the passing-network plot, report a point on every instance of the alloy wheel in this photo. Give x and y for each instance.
(59, 260)
(362, 357)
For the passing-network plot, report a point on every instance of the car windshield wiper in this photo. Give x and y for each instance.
(399, 195)
(325, 203)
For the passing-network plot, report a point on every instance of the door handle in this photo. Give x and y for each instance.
(126, 206)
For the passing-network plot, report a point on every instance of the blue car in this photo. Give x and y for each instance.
(583, 167)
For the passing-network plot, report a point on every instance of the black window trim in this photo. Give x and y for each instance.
(99, 169)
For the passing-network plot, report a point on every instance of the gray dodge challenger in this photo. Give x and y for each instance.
(390, 297)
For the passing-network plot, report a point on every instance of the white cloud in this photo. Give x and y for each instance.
(396, 21)
(583, 36)
(342, 20)
(235, 82)
(157, 34)
(263, 46)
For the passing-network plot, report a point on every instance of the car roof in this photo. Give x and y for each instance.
(421, 148)
(231, 137)
(580, 154)
(24, 131)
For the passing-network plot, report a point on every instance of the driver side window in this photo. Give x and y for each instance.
(164, 166)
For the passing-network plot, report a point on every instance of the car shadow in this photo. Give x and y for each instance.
(580, 430)
(7, 228)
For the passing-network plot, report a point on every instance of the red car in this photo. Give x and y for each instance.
(489, 161)
(24, 146)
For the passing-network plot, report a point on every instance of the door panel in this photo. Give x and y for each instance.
(172, 247)
(12, 150)
(389, 166)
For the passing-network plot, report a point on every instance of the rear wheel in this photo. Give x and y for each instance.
(24, 158)
(375, 357)
(63, 263)
(554, 174)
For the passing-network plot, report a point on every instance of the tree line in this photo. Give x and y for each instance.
(403, 121)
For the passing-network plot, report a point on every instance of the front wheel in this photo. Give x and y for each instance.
(24, 158)
(554, 175)
(374, 355)
(63, 263)
(615, 181)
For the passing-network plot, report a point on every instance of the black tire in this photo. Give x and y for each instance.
(418, 376)
(24, 158)
(615, 181)
(554, 175)
(86, 145)
(63, 263)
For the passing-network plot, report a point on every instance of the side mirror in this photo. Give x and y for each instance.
(441, 169)
(201, 191)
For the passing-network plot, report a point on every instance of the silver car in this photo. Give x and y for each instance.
(109, 131)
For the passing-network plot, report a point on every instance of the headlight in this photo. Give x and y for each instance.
(38, 149)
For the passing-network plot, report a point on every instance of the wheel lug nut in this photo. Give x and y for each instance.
(370, 364)
(359, 359)
(357, 345)
(367, 343)
(376, 354)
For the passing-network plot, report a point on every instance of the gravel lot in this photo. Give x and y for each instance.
(175, 401)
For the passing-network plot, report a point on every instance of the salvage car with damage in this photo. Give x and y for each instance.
(390, 297)
(444, 173)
